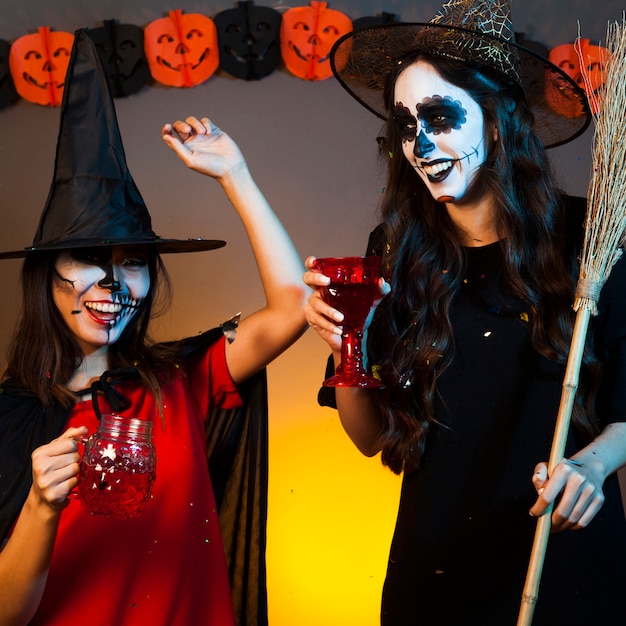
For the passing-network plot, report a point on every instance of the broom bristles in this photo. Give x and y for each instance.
(606, 203)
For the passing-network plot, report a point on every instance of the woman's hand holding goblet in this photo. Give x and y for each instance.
(345, 290)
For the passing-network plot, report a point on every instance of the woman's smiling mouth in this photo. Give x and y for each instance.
(109, 312)
(437, 170)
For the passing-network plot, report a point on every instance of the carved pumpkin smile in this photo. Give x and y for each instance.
(184, 65)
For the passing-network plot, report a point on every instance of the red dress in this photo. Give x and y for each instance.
(166, 567)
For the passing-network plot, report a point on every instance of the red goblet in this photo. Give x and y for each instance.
(353, 289)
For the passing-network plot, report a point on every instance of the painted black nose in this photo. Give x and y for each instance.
(108, 281)
(423, 146)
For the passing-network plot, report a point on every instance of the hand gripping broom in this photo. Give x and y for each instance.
(604, 237)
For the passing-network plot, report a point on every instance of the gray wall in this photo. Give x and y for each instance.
(310, 147)
(313, 152)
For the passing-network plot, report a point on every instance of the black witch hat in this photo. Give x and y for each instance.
(93, 200)
(478, 33)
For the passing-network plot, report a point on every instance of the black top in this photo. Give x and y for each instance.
(463, 536)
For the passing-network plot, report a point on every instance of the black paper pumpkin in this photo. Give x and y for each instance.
(249, 40)
(373, 20)
(8, 94)
(121, 51)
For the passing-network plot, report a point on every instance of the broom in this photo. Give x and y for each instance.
(604, 236)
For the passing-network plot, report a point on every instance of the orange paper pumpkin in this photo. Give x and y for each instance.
(39, 62)
(307, 35)
(594, 58)
(182, 50)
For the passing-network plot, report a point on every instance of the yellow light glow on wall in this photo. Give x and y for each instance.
(331, 510)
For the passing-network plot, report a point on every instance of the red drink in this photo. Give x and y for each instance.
(353, 300)
(116, 492)
(118, 468)
(353, 289)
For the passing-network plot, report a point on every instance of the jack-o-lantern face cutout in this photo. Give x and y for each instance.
(249, 39)
(39, 63)
(182, 49)
(121, 51)
(7, 88)
(307, 35)
(594, 59)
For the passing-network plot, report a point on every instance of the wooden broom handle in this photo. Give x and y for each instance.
(542, 532)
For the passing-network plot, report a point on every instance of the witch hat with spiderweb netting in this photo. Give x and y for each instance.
(93, 200)
(478, 33)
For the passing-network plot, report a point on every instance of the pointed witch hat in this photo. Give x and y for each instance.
(478, 33)
(93, 200)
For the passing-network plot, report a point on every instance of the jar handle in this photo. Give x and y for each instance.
(73, 494)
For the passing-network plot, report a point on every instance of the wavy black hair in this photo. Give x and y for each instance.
(413, 322)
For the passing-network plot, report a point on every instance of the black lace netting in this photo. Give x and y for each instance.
(362, 60)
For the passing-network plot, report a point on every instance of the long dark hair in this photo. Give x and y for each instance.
(425, 260)
(43, 354)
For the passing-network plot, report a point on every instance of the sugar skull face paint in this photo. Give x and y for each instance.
(442, 130)
(99, 290)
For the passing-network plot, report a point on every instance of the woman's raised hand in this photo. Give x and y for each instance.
(203, 147)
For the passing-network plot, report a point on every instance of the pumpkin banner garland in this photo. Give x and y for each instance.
(184, 50)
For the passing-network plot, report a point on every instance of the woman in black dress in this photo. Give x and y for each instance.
(480, 254)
